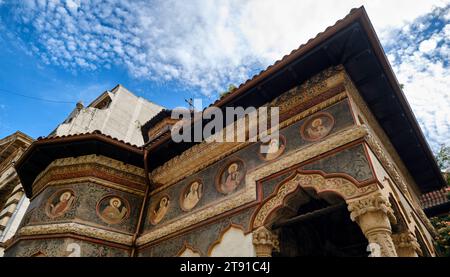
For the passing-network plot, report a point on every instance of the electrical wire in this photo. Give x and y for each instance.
(37, 98)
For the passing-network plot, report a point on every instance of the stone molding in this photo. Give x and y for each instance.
(127, 176)
(374, 215)
(248, 194)
(76, 228)
(265, 242)
(380, 141)
(319, 183)
(372, 203)
(204, 154)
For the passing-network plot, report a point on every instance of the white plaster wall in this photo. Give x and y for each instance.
(189, 253)
(234, 243)
(122, 119)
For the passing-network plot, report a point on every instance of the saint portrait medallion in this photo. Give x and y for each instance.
(159, 209)
(230, 177)
(273, 148)
(317, 127)
(191, 195)
(113, 209)
(59, 203)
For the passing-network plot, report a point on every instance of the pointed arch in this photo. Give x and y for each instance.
(189, 251)
(320, 182)
(243, 240)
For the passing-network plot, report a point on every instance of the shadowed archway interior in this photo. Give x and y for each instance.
(313, 225)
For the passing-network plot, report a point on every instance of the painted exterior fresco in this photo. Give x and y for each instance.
(251, 159)
(321, 148)
(201, 239)
(64, 247)
(84, 208)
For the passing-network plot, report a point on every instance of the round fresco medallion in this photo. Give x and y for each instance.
(317, 127)
(113, 209)
(59, 203)
(191, 195)
(159, 209)
(273, 148)
(230, 177)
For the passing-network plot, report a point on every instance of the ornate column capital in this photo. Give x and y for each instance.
(265, 241)
(372, 203)
(406, 244)
(374, 215)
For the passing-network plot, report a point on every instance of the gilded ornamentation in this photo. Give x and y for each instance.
(247, 195)
(159, 210)
(204, 154)
(111, 172)
(385, 151)
(318, 182)
(113, 209)
(191, 196)
(265, 242)
(317, 127)
(310, 89)
(75, 228)
(59, 203)
(373, 203)
(230, 177)
(390, 167)
(275, 147)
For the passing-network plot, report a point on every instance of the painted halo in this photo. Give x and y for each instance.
(113, 209)
(276, 147)
(159, 209)
(191, 195)
(317, 126)
(59, 203)
(230, 176)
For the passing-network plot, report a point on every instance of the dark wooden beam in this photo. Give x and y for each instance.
(308, 216)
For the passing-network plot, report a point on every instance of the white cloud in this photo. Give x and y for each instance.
(209, 44)
(200, 43)
(421, 63)
(428, 45)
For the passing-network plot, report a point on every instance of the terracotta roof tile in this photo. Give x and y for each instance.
(95, 132)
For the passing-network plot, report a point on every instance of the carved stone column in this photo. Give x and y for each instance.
(373, 214)
(265, 242)
(406, 244)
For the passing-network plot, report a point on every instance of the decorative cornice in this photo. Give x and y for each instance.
(389, 156)
(391, 169)
(76, 228)
(204, 154)
(93, 180)
(375, 202)
(247, 195)
(379, 152)
(319, 183)
(93, 159)
(112, 173)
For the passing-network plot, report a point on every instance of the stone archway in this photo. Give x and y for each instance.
(316, 181)
(367, 207)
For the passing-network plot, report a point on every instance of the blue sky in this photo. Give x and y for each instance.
(166, 51)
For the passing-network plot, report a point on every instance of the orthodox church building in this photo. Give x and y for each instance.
(346, 178)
